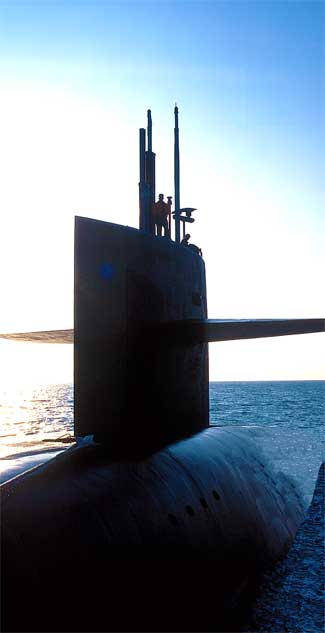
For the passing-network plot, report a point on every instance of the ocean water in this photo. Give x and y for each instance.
(285, 419)
(36, 422)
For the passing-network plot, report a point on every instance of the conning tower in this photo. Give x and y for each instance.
(130, 286)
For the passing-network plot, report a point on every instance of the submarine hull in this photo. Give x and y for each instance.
(170, 542)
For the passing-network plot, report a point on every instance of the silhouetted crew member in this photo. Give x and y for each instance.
(161, 213)
(193, 247)
(185, 240)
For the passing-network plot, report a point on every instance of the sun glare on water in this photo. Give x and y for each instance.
(35, 417)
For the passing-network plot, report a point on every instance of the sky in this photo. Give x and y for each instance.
(77, 78)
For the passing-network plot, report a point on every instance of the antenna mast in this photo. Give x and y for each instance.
(143, 198)
(147, 178)
(150, 176)
(149, 131)
(176, 178)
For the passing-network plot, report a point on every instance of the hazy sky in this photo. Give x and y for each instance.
(76, 81)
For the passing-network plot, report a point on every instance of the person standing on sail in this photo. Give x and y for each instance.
(161, 214)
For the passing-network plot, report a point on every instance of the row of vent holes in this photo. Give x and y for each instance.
(191, 511)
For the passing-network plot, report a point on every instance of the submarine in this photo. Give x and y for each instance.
(152, 521)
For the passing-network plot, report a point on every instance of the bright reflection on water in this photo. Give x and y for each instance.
(34, 418)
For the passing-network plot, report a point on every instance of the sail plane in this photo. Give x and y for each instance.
(197, 330)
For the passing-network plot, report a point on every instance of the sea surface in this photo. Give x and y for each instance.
(286, 420)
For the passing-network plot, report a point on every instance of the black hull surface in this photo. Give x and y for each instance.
(167, 543)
